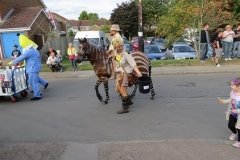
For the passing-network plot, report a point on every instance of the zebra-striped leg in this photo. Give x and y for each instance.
(152, 91)
(134, 90)
(105, 83)
(97, 91)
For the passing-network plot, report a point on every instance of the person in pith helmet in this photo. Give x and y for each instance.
(33, 65)
(115, 29)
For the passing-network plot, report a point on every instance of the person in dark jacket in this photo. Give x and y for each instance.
(50, 50)
(15, 53)
(204, 42)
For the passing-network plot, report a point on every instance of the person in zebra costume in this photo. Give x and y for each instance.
(125, 65)
(101, 66)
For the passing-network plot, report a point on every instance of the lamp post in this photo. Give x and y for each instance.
(140, 27)
(155, 24)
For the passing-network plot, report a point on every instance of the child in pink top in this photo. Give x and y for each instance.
(233, 111)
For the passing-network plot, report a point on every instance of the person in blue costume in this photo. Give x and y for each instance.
(33, 65)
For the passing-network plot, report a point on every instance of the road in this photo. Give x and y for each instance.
(185, 107)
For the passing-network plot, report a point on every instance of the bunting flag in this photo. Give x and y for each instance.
(52, 20)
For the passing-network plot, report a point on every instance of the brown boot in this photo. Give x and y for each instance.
(124, 106)
(130, 102)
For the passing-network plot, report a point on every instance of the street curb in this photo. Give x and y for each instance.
(156, 73)
(194, 72)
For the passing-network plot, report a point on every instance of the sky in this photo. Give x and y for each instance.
(71, 9)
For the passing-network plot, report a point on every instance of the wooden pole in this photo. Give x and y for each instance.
(140, 28)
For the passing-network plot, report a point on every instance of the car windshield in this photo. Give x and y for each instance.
(183, 49)
(152, 49)
(159, 41)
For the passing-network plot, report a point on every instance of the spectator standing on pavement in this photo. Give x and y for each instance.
(15, 53)
(228, 36)
(204, 42)
(72, 52)
(233, 111)
(218, 47)
(236, 41)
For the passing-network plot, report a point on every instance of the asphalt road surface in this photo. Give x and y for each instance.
(185, 107)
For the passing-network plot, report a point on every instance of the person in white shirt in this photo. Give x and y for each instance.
(228, 36)
(53, 62)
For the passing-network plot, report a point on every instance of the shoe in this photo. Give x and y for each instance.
(122, 111)
(40, 93)
(76, 69)
(35, 98)
(218, 65)
(73, 70)
(237, 144)
(229, 59)
(225, 59)
(46, 85)
(232, 137)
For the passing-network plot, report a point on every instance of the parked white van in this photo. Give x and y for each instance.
(96, 37)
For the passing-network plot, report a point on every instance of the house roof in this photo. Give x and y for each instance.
(75, 22)
(59, 17)
(43, 4)
(21, 18)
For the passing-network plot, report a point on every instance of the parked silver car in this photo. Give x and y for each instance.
(180, 51)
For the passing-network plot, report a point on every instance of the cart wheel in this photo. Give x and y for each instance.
(24, 93)
(14, 99)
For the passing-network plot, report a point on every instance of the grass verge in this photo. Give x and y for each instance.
(155, 63)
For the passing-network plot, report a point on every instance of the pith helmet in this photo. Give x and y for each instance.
(115, 27)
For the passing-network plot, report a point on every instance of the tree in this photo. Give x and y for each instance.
(192, 14)
(152, 11)
(83, 16)
(126, 16)
(93, 16)
(70, 33)
(105, 29)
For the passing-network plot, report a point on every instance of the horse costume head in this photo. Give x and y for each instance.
(83, 50)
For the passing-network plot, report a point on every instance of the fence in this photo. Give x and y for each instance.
(60, 43)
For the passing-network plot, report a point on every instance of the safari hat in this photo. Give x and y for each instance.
(115, 27)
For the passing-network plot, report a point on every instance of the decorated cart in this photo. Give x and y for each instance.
(13, 81)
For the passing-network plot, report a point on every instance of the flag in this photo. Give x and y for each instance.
(52, 20)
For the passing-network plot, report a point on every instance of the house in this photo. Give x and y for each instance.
(62, 23)
(29, 19)
(88, 25)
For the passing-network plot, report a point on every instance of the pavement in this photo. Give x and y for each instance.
(170, 149)
(155, 71)
(166, 149)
